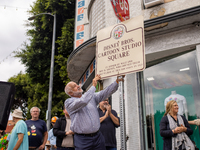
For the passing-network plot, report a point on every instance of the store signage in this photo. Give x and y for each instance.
(121, 9)
(121, 49)
(79, 28)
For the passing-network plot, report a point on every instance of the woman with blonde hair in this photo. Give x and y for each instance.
(175, 129)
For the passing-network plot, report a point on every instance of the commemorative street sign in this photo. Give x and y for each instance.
(120, 48)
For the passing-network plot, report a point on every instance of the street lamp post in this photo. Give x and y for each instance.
(48, 115)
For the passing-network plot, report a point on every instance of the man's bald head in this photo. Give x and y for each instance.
(68, 87)
(72, 89)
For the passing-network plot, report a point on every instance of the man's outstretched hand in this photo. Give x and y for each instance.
(120, 78)
(98, 77)
(94, 81)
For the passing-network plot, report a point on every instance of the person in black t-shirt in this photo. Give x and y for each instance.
(109, 122)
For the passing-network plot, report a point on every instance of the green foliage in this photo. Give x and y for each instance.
(23, 91)
(32, 88)
(4, 142)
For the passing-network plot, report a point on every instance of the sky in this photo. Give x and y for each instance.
(13, 16)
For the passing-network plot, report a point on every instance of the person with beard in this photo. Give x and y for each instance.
(84, 116)
(109, 122)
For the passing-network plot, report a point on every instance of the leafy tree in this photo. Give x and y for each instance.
(23, 91)
(37, 56)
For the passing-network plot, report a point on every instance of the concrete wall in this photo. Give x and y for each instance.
(132, 113)
(173, 40)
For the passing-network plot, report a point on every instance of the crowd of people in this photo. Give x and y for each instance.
(82, 128)
(85, 126)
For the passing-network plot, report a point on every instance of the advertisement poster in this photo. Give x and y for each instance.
(79, 26)
(121, 9)
(121, 49)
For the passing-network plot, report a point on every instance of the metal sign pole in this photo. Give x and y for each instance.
(122, 115)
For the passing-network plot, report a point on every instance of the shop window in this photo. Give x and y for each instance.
(176, 79)
(151, 3)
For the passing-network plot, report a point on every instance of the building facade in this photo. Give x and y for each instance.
(10, 126)
(172, 49)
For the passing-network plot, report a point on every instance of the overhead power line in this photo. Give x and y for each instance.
(10, 55)
(15, 7)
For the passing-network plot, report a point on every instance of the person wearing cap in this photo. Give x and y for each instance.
(19, 136)
(51, 141)
(37, 130)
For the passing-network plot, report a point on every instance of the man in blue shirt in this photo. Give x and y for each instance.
(84, 116)
(51, 141)
(18, 138)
